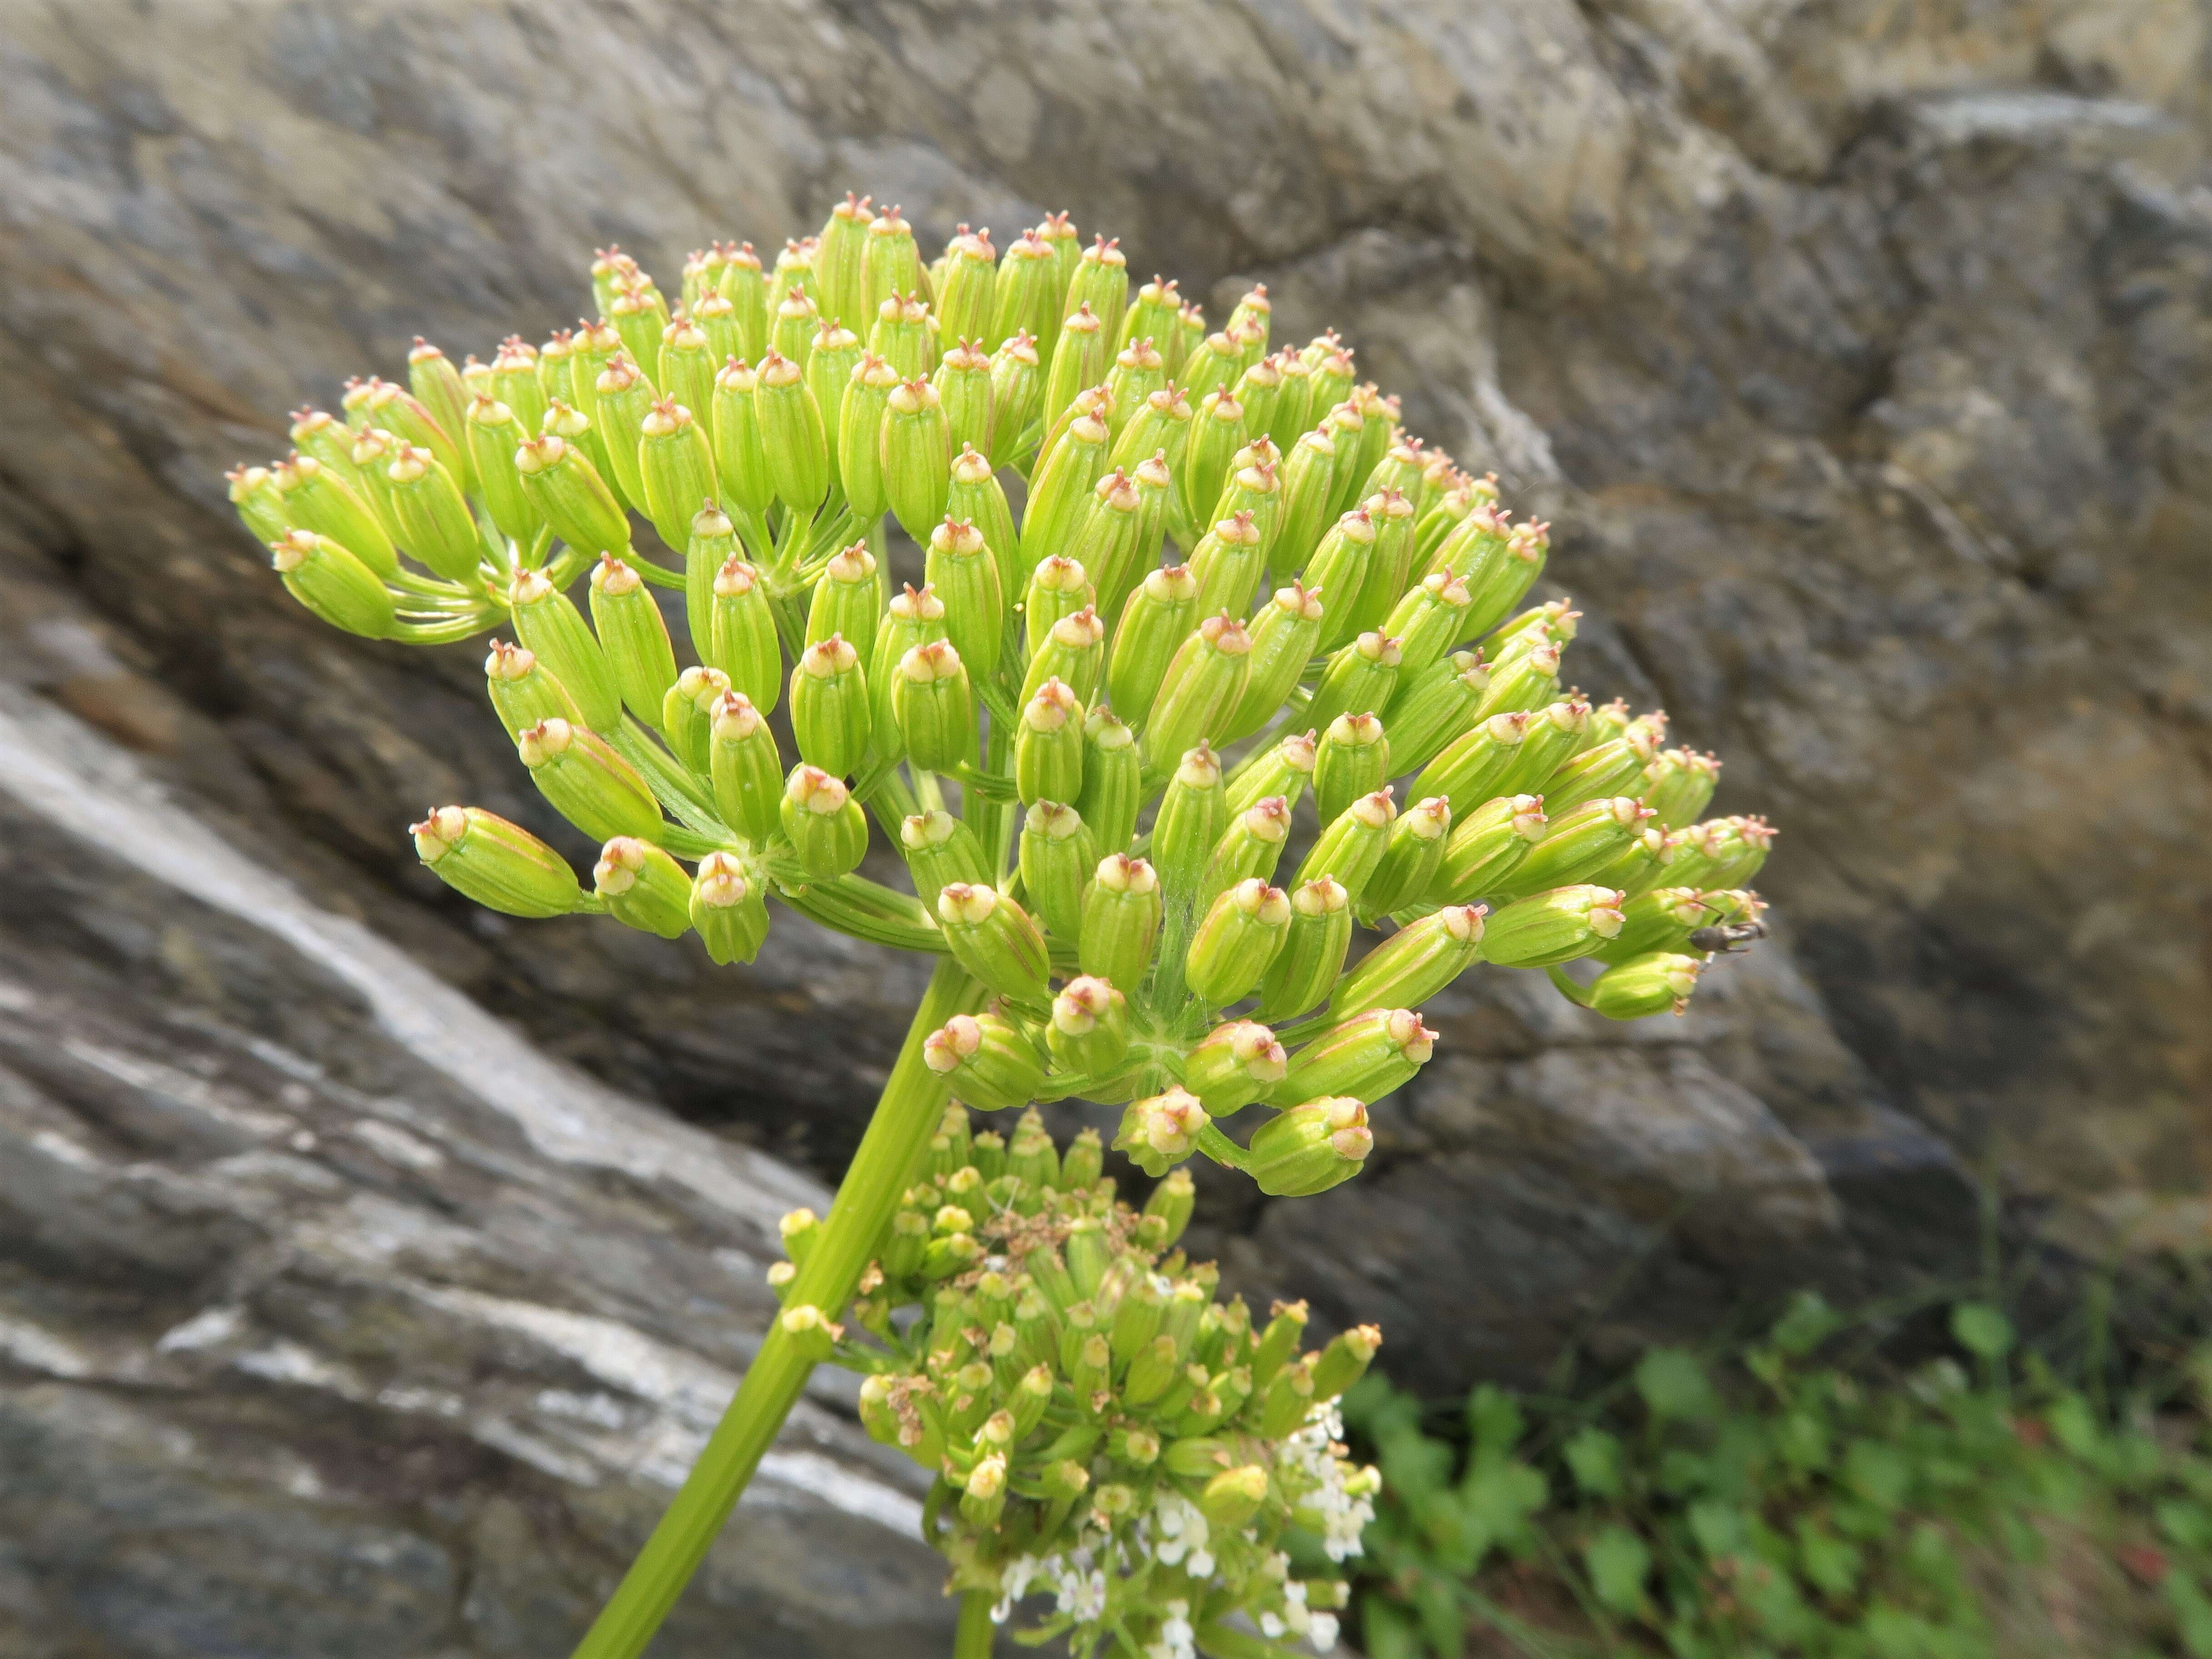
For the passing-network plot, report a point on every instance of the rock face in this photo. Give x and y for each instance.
(1860, 354)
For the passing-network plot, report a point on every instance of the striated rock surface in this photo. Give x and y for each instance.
(1862, 355)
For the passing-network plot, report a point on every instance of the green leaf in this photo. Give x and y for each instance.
(1493, 1418)
(2192, 1612)
(1619, 1561)
(1675, 1385)
(1830, 1563)
(1877, 1472)
(1720, 1529)
(1981, 1330)
(1594, 1457)
(2075, 1426)
(1807, 1323)
(2187, 1524)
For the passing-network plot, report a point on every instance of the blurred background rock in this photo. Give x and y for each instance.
(1861, 353)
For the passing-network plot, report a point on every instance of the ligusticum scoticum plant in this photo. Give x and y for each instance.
(1141, 747)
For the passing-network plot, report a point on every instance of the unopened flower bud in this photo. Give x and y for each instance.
(1235, 1063)
(847, 600)
(1577, 846)
(1554, 733)
(809, 1331)
(1048, 745)
(1410, 861)
(1121, 921)
(827, 829)
(1238, 938)
(1432, 709)
(676, 467)
(1553, 927)
(1352, 846)
(1657, 982)
(1359, 679)
(740, 445)
(1677, 785)
(310, 493)
(1663, 918)
(985, 1061)
(687, 715)
(1232, 1498)
(1487, 848)
(940, 849)
(793, 439)
(1414, 964)
(1056, 859)
(1346, 1360)
(1201, 688)
(1161, 1131)
(1284, 635)
(502, 865)
(1155, 621)
(1305, 971)
(742, 638)
(633, 637)
(1307, 1150)
(1365, 1056)
(410, 419)
(333, 583)
(746, 771)
(917, 455)
(935, 707)
(430, 514)
(1189, 823)
(1528, 682)
(964, 572)
(728, 909)
(1251, 846)
(1017, 394)
(830, 716)
(1113, 781)
(1284, 769)
(643, 887)
(994, 939)
(1468, 771)
(1351, 760)
(568, 490)
(523, 691)
(1089, 1032)
(587, 782)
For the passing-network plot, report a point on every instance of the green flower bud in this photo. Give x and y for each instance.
(741, 467)
(793, 440)
(1410, 862)
(994, 939)
(572, 495)
(329, 580)
(1551, 623)
(1658, 983)
(745, 285)
(260, 503)
(305, 492)
(795, 326)
(847, 600)
(1472, 765)
(1307, 478)
(502, 865)
(1402, 468)
(1161, 1131)
(1338, 571)
(726, 910)
(1121, 921)
(987, 1061)
(1283, 637)
(963, 387)
(319, 432)
(1350, 847)
(1216, 435)
(549, 623)
(1278, 1343)
(1552, 927)
(1100, 282)
(640, 315)
(1426, 622)
(371, 458)
(1108, 538)
(633, 637)
(643, 887)
(1228, 562)
(890, 263)
(1232, 1498)
(1359, 679)
(917, 457)
(687, 715)
(964, 281)
(685, 372)
(1155, 621)
(1251, 846)
(977, 497)
(830, 716)
(1113, 781)
(1390, 565)
(1204, 683)
(1486, 847)
(1554, 733)
(1365, 1057)
(1284, 768)
(1138, 371)
(1089, 1032)
(1016, 395)
(833, 357)
(965, 576)
(494, 435)
(940, 849)
(393, 409)
(1305, 971)
(1305, 1151)
(587, 783)
(826, 828)
(1060, 494)
(1655, 858)
(1212, 365)
(1576, 846)
(1351, 760)
(1258, 389)
(597, 345)
(1057, 858)
(1160, 427)
(1724, 852)
(1347, 428)
(1238, 938)
(935, 707)
(741, 638)
(1661, 920)
(1346, 1360)
(1443, 512)
(1233, 1065)
(1072, 648)
(1414, 964)
(523, 691)
(1678, 785)
(1499, 567)
(621, 400)
(676, 466)
(838, 280)
(1048, 746)
(432, 516)
(1433, 708)
(1079, 358)
(1192, 815)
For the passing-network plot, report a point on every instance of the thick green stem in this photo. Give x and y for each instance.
(912, 1105)
(971, 1639)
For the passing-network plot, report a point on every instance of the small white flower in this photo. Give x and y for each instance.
(1322, 1634)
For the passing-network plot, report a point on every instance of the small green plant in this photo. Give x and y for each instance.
(1778, 1506)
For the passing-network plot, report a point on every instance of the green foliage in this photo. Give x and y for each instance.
(1774, 1505)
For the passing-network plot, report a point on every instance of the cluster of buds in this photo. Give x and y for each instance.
(1101, 1427)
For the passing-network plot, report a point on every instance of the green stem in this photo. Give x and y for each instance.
(971, 1639)
(912, 1105)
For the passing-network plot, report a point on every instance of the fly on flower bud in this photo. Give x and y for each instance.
(588, 784)
(940, 849)
(1203, 685)
(687, 713)
(1658, 983)
(985, 1061)
(1346, 1360)
(1237, 941)
(502, 865)
(793, 439)
(935, 707)
(1410, 861)
(741, 467)
(1431, 709)
(1112, 781)
(1233, 1065)
(1048, 746)
(1308, 1150)
(568, 490)
(1306, 969)
(1189, 822)
(1468, 771)
(643, 887)
(1360, 677)
(1366, 1057)
(1553, 927)
(1414, 964)
(431, 515)
(741, 638)
(994, 939)
(1160, 1131)
(1057, 857)
(831, 717)
(1121, 921)
(1486, 847)
(1156, 619)
(917, 456)
(1284, 635)
(726, 909)
(828, 830)
(331, 582)
(1350, 848)
(633, 637)
(1662, 918)
(549, 623)
(1089, 1032)
(1353, 759)
(1577, 846)
(1284, 768)
(1073, 652)
(523, 691)
(676, 466)
(1678, 785)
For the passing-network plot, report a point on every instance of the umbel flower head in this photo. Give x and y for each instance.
(1252, 671)
(1102, 1429)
